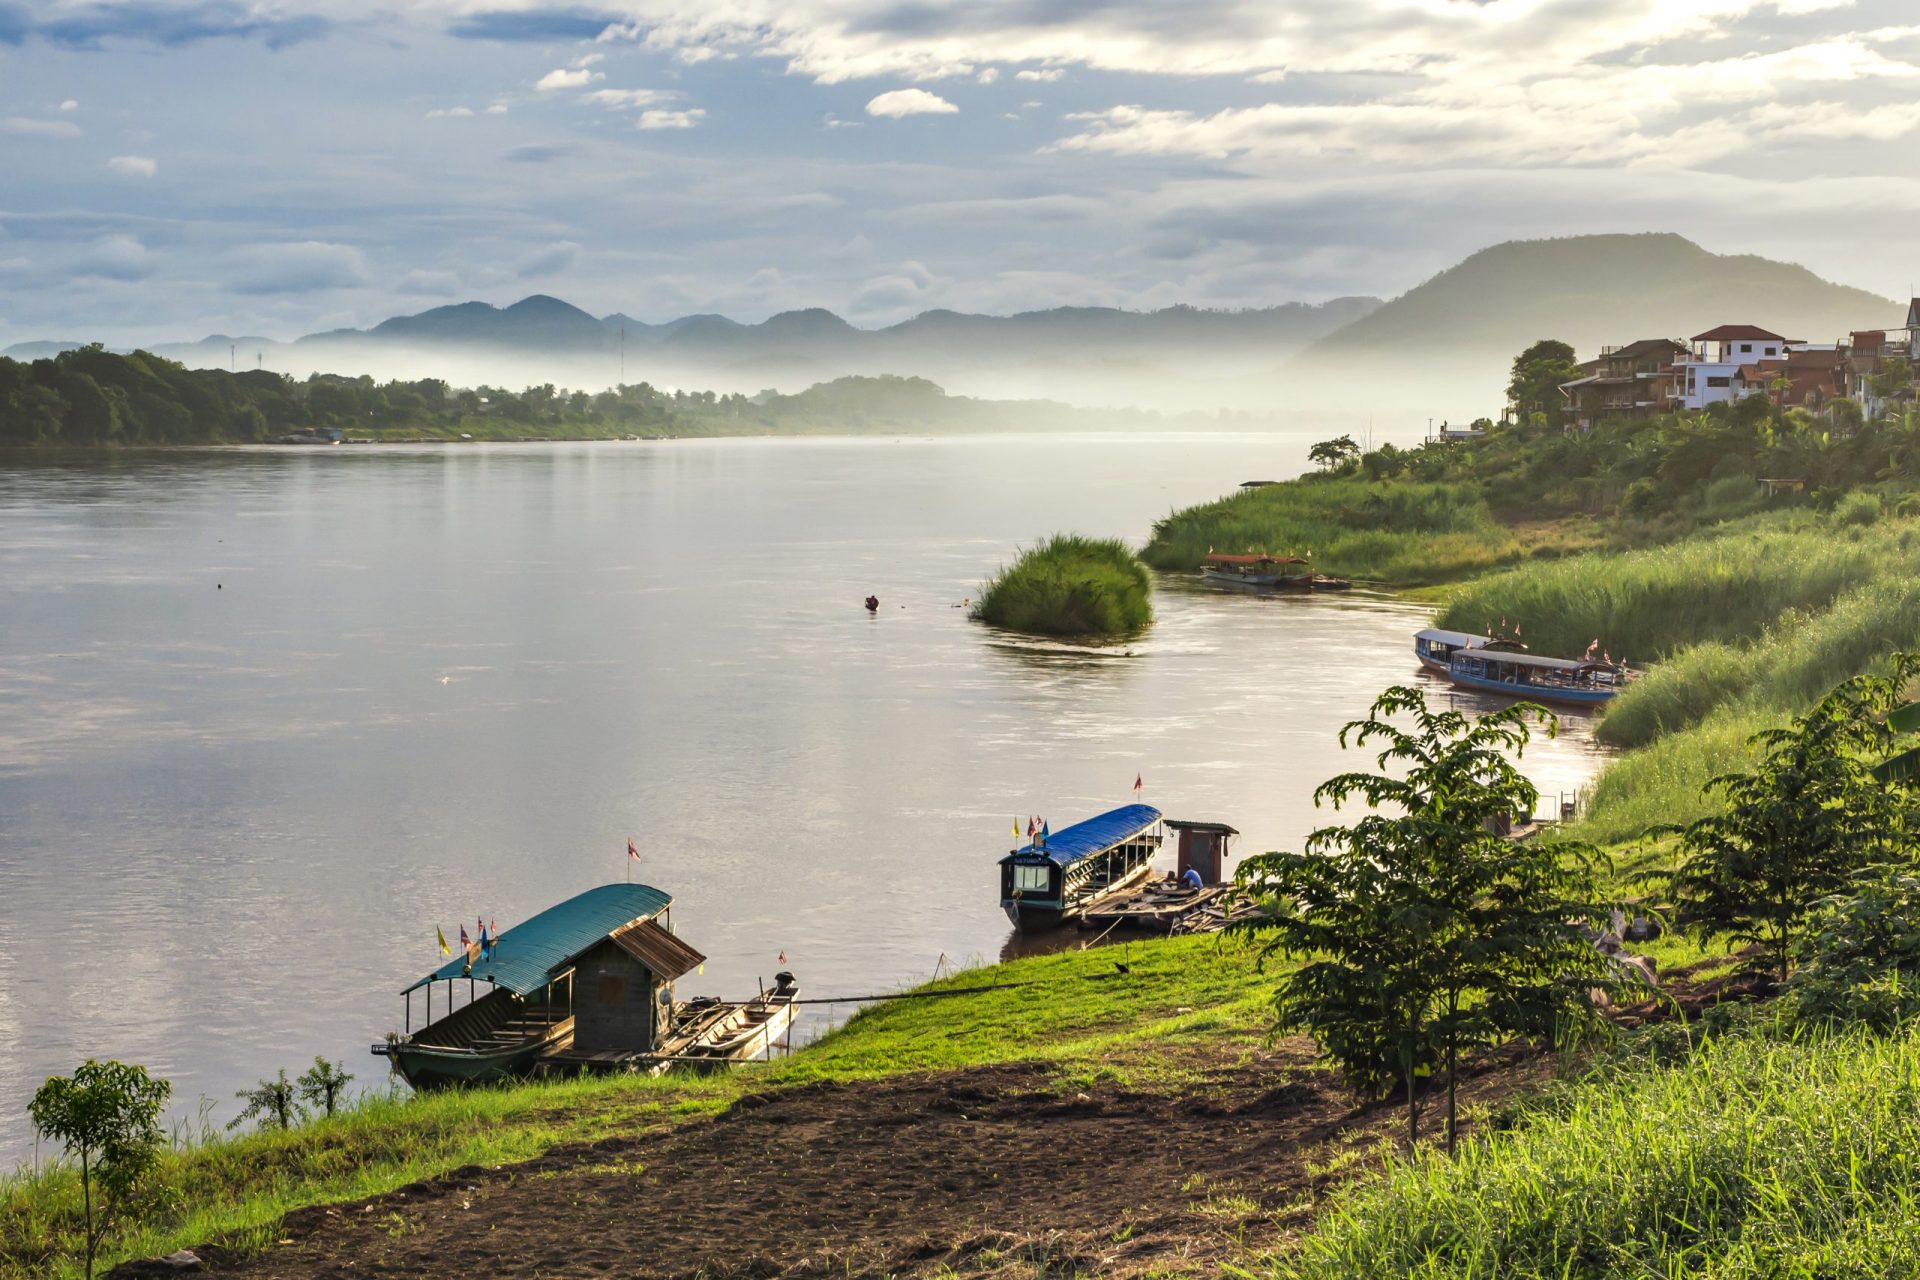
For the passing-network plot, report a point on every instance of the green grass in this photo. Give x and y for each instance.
(1077, 1013)
(1071, 586)
(1402, 533)
(1750, 1158)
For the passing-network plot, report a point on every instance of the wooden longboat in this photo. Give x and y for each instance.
(1537, 678)
(1268, 573)
(1062, 876)
(741, 1033)
(613, 942)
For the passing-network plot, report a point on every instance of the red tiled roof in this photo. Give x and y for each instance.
(1736, 333)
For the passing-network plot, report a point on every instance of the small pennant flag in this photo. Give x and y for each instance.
(1016, 828)
(633, 850)
(783, 957)
(441, 934)
(1045, 830)
(1136, 784)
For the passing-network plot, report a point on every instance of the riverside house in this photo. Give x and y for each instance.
(1705, 374)
(1634, 381)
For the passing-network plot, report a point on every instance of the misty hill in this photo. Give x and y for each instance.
(1466, 324)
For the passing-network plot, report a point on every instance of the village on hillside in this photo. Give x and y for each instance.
(1734, 361)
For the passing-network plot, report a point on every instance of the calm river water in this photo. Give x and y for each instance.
(267, 717)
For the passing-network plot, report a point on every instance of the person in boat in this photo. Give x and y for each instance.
(1191, 878)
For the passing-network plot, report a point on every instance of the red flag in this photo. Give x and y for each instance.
(632, 851)
(1136, 784)
(783, 957)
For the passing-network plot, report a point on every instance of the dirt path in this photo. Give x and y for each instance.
(988, 1171)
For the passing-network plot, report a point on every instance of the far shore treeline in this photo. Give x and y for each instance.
(91, 397)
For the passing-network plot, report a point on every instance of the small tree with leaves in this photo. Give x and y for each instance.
(107, 1116)
(1423, 931)
(1802, 824)
(272, 1102)
(1330, 455)
(321, 1084)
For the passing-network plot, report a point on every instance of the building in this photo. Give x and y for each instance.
(1634, 381)
(1867, 353)
(1705, 375)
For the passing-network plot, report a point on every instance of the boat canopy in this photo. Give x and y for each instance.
(1458, 639)
(1540, 661)
(1255, 559)
(1084, 839)
(537, 950)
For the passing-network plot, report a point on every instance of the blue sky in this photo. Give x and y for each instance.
(173, 169)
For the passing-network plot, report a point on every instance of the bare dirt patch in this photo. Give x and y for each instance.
(997, 1170)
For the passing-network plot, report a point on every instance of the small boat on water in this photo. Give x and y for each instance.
(1064, 874)
(1583, 682)
(1435, 648)
(585, 983)
(1270, 573)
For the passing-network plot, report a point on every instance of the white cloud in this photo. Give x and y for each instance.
(23, 127)
(134, 166)
(497, 109)
(1046, 76)
(70, 105)
(614, 99)
(896, 103)
(671, 119)
(454, 113)
(988, 75)
(115, 257)
(564, 78)
(588, 59)
(304, 266)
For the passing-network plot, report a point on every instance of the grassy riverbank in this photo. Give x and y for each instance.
(1070, 586)
(1077, 1014)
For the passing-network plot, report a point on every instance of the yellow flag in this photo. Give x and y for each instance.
(441, 934)
(1016, 828)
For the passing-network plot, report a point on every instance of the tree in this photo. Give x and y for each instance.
(272, 1101)
(1425, 932)
(1802, 824)
(107, 1115)
(1538, 373)
(1329, 455)
(321, 1083)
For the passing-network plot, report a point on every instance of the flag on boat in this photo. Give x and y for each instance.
(1045, 831)
(1136, 784)
(486, 943)
(1033, 827)
(783, 957)
(633, 850)
(441, 934)
(1016, 828)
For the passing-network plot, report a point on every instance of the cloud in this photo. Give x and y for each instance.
(134, 166)
(433, 284)
(896, 103)
(988, 75)
(91, 27)
(70, 105)
(307, 266)
(545, 262)
(535, 25)
(672, 119)
(538, 153)
(116, 257)
(23, 127)
(449, 113)
(1045, 76)
(497, 109)
(567, 78)
(614, 99)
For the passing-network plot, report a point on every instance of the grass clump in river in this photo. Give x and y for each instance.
(1075, 1010)
(1071, 586)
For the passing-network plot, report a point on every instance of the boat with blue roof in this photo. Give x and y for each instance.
(586, 983)
(1061, 875)
(1583, 682)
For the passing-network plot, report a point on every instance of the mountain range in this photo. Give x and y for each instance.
(1441, 348)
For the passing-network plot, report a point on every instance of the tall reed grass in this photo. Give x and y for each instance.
(1399, 532)
(1071, 586)
(1751, 1158)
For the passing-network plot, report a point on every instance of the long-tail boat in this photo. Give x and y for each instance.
(1536, 678)
(1265, 572)
(1058, 877)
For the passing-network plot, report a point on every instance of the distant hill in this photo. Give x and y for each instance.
(1467, 323)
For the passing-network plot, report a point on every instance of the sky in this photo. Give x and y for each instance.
(174, 169)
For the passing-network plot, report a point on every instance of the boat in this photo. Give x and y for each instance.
(1265, 572)
(1583, 682)
(591, 975)
(1435, 648)
(1064, 874)
(723, 1033)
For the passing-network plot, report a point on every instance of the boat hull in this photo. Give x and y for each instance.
(1029, 919)
(1532, 692)
(426, 1067)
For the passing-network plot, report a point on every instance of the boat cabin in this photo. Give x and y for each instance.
(1058, 877)
(1202, 846)
(1257, 570)
(1533, 676)
(595, 972)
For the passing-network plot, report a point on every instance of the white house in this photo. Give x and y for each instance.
(1706, 374)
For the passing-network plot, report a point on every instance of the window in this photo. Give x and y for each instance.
(1720, 382)
(1031, 879)
(613, 989)
(1746, 348)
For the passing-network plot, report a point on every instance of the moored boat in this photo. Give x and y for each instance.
(1537, 678)
(1265, 572)
(1435, 647)
(735, 1032)
(1063, 874)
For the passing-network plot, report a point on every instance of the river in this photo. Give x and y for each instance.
(270, 717)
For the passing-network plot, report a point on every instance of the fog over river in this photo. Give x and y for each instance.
(268, 717)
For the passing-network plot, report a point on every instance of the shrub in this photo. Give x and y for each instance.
(1071, 586)
(107, 1116)
(1858, 508)
(1860, 957)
